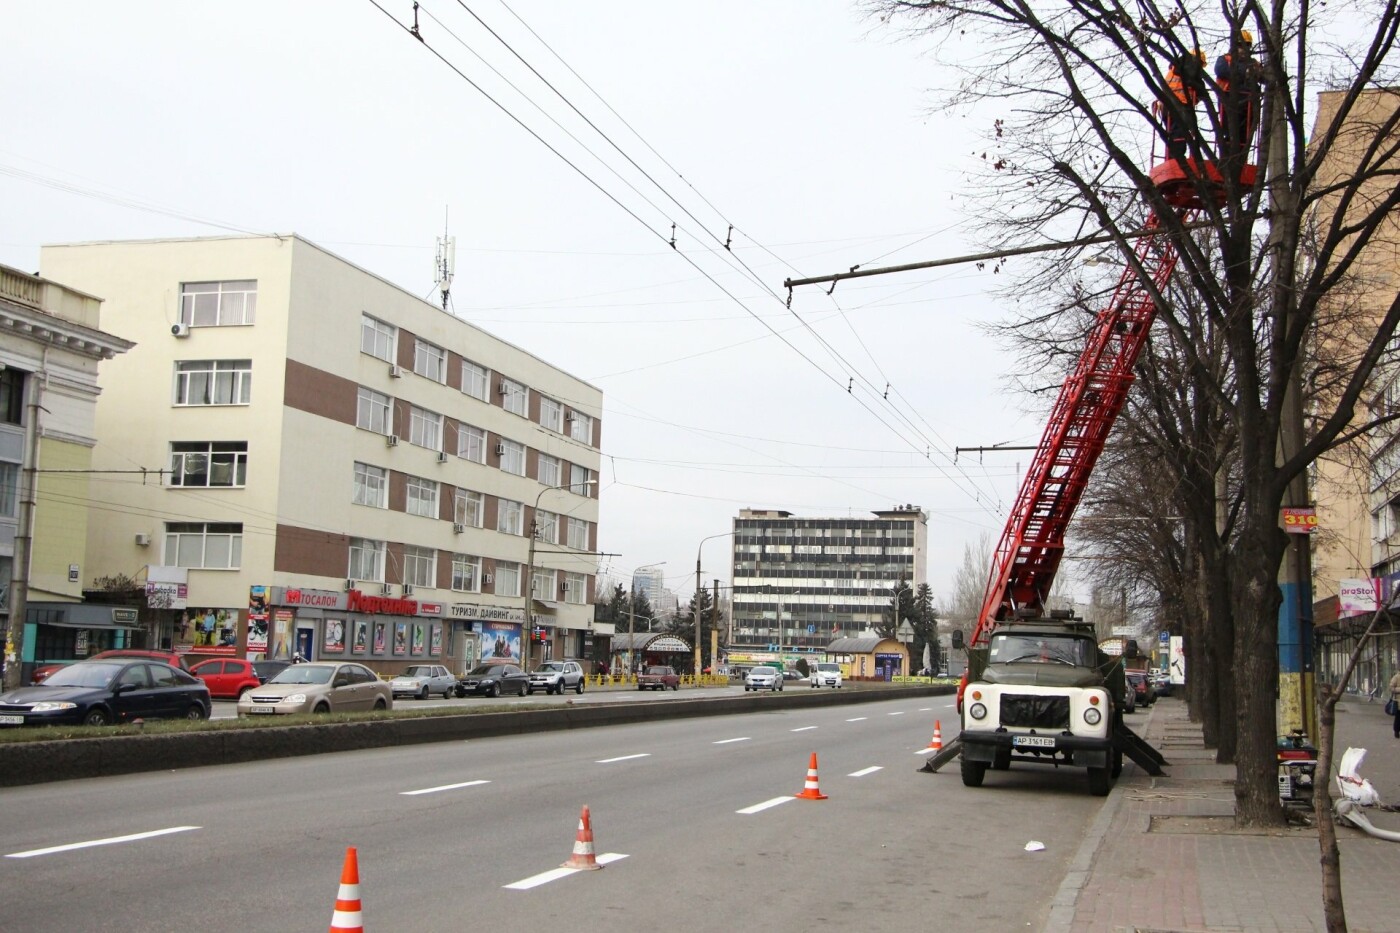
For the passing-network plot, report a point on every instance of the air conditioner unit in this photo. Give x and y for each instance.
(180, 330)
(568, 416)
(501, 389)
(458, 528)
(442, 456)
(386, 589)
(488, 578)
(408, 589)
(500, 450)
(143, 540)
(392, 440)
(395, 372)
(349, 585)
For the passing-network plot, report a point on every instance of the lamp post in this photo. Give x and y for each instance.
(698, 587)
(632, 614)
(529, 588)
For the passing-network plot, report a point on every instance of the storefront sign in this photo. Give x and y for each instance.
(1356, 597)
(257, 620)
(387, 605)
(125, 616)
(1300, 521)
(474, 612)
(80, 643)
(166, 595)
(306, 598)
(430, 609)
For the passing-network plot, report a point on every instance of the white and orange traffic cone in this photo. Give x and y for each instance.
(935, 744)
(810, 790)
(583, 858)
(347, 917)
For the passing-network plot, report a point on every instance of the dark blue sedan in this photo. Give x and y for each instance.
(97, 693)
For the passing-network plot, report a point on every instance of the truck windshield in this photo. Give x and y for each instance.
(1041, 649)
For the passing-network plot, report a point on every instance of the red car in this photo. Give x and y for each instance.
(227, 678)
(41, 674)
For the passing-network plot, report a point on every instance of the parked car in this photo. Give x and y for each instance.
(318, 687)
(825, 674)
(790, 674)
(1146, 696)
(174, 659)
(97, 693)
(556, 677)
(763, 678)
(1161, 683)
(266, 670)
(492, 680)
(422, 680)
(658, 677)
(1130, 700)
(227, 678)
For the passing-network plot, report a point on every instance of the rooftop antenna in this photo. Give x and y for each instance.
(446, 262)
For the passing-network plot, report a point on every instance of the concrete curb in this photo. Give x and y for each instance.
(68, 759)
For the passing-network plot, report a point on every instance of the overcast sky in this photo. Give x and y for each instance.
(797, 121)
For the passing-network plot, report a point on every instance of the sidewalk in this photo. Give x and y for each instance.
(1163, 854)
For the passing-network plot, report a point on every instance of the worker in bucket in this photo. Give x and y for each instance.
(1185, 81)
(1238, 74)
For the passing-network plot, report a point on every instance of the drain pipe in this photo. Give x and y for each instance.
(1349, 811)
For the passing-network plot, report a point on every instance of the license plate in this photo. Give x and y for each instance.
(261, 709)
(1033, 741)
(11, 720)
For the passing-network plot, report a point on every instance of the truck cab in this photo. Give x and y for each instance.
(1042, 692)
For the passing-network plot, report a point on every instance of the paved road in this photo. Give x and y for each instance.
(891, 849)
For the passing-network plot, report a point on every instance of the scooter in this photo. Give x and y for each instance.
(1297, 768)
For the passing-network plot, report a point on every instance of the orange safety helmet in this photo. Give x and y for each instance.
(1246, 37)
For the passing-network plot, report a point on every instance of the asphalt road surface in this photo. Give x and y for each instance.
(696, 819)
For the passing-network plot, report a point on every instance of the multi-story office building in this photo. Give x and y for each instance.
(649, 582)
(333, 466)
(49, 358)
(800, 582)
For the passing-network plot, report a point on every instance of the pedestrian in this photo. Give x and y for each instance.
(1185, 79)
(1238, 74)
(1393, 707)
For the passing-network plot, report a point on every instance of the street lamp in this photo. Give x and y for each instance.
(530, 572)
(632, 614)
(726, 534)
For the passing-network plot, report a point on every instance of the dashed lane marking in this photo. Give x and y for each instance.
(864, 771)
(858, 719)
(742, 738)
(802, 728)
(608, 761)
(897, 713)
(440, 787)
(765, 805)
(925, 709)
(555, 874)
(111, 840)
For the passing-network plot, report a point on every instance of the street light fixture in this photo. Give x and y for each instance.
(529, 587)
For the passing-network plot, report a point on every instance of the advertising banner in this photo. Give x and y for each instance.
(335, 636)
(257, 620)
(359, 640)
(500, 641)
(1358, 596)
(207, 631)
(416, 643)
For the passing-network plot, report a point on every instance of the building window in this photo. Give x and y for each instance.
(514, 397)
(372, 412)
(468, 508)
(419, 566)
(510, 517)
(429, 361)
(579, 479)
(513, 457)
(424, 428)
(471, 443)
(581, 428)
(377, 338)
(507, 578)
(209, 463)
(213, 382)
(550, 470)
(366, 560)
(11, 396)
(551, 415)
(576, 588)
(9, 491)
(218, 304)
(476, 381)
(204, 545)
(542, 584)
(466, 573)
(371, 486)
(546, 526)
(578, 534)
(422, 497)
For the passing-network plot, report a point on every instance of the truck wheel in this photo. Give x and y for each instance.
(1002, 761)
(973, 772)
(1117, 762)
(1098, 782)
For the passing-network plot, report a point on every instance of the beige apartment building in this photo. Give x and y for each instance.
(307, 459)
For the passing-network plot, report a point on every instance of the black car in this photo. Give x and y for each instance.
(97, 693)
(492, 680)
(266, 670)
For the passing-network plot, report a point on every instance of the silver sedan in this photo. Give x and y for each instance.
(322, 687)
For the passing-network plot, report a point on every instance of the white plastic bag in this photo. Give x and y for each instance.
(1351, 784)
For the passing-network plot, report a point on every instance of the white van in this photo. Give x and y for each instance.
(826, 674)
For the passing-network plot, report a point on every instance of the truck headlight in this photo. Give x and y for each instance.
(977, 711)
(1092, 716)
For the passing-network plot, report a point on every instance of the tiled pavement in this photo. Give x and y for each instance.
(1163, 854)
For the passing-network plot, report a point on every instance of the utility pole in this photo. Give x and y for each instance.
(714, 627)
(24, 539)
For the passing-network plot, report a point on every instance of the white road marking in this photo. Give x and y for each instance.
(802, 728)
(925, 751)
(608, 761)
(897, 713)
(864, 771)
(743, 738)
(925, 709)
(434, 790)
(765, 805)
(949, 705)
(113, 840)
(555, 874)
(858, 719)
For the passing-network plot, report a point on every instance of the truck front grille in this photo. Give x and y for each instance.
(1035, 712)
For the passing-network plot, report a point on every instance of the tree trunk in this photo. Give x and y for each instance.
(1333, 910)
(1256, 686)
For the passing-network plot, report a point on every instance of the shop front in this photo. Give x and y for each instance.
(59, 633)
(479, 633)
(384, 633)
(869, 657)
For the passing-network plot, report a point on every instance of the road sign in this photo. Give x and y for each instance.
(1164, 638)
(811, 629)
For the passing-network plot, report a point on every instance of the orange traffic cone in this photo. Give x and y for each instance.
(936, 743)
(583, 845)
(347, 917)
(810, 790)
